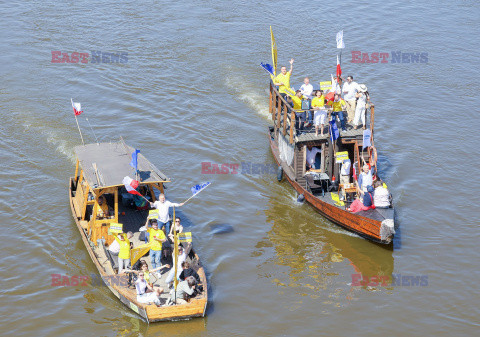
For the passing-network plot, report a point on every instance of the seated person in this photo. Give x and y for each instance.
(103, 210)
(147, 272)
(381, 196)
(367, 203)
(167, 258)
(182, 256)
(185, 290)
(187, 271)
(145, 293)
(311, 157)
(176, 227)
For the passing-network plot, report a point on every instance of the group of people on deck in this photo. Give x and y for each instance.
(350, 99)
(372, 192)
(159, 232)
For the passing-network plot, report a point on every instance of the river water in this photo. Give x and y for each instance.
(191, 91)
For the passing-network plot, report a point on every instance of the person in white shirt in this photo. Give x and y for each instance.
(162, 205)
(182, 256)
(307, 89)
(362, 99)
(345, 172)
(381, 197)
(350, 88)
(311, 156)
(145, 293)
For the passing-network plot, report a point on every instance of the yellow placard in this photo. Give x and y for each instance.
(115, 228)
(326, 85)
(185, 237)
(152, 214)
(341, 156)
(336, 198)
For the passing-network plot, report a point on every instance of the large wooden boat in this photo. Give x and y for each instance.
(99, 171)
(289, 151)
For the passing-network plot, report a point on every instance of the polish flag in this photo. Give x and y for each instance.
(355, 170)
(131, 185)
(339, 69)
(77, 107)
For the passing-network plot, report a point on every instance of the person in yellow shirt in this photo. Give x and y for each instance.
(318, 103)
(283, 79)
(299, 115)
(157, 236)
(124, 253)
(339, 107)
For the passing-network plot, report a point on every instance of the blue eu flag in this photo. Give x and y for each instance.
(134, 162)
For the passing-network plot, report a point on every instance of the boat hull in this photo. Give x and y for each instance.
(363, 226)
(150, 313)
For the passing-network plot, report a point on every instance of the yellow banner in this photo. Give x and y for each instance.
(115, 228)
(274, 52)
(341, 156)
(336, 198)
(290, 91)
(138, 252)
(185, 237)
(326, 85)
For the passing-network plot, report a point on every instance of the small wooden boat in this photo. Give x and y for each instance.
(289, 151)
(99, 171)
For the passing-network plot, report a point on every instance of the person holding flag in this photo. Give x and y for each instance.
(162, 205)
(283, 79)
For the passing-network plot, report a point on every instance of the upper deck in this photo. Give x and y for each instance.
(283, 117)
(106, 164)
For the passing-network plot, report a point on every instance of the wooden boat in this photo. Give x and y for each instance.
(99, 171)
(289, 151)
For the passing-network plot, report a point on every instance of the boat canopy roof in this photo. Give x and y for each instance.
(106, 164)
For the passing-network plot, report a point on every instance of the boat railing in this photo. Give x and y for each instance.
(283, 115)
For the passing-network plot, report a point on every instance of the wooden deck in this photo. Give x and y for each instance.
(308, 134)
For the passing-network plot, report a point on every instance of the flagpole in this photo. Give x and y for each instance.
(81, 136)
(196, 194)
(175, 251)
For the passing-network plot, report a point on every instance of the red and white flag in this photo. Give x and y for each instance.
(131, 185)
(77, 108)
(339, 69)
(355, 170)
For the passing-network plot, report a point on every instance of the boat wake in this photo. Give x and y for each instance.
(246, 92)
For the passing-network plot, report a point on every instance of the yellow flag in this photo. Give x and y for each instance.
(274, 52)
(138, 252)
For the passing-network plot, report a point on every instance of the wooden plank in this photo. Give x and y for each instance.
(292, 125)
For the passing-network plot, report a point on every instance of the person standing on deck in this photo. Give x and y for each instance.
(124, 252)
(320, 114)
(162, 205)
(299, 115)
(339, 106)
(157, 236)
(307, 89)
(362, 98)
(312, 156)
(350, 88)
(283, 80)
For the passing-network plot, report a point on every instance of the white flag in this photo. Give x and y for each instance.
(340, 43)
